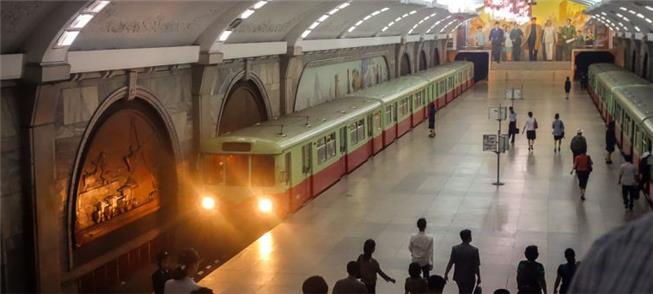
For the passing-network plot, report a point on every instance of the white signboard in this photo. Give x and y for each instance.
(503, 143)
(490, 143)
(514, 94)
(498, 113)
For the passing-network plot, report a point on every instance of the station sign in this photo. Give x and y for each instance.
(498, 113)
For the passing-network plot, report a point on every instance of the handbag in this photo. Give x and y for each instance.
(478, 290)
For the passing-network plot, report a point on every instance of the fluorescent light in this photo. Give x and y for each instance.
(97, 6)
(247, 13)
(323, 18)
(648, 20)
(81, 21)
(649, 7)
(314, 25)
(623, 8)
(343, 5)
(391, 23)
(224, 36)
(413, 12)
(367, 17)
(620, 15)
(405, 14)
(359, 22)
(632, 11)
(410, 32)
(67, 38)
(384, 9)
(259, 4)
(603, 12)
(397, 19)
(333, 11)
(351, 29)
(305, 33)
(384, 29)
(375, 13)
(640, 15)
(637, 29)
(626, 19)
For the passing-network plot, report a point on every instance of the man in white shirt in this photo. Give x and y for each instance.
(628, 182)
(421, 248)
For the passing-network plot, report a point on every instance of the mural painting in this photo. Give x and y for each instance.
(327, 82)
(119, 182)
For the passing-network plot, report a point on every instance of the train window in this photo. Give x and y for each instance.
(214, 169)
(321, 150)
(237, 170)
(263, 170)
(306, 157)
(236, 146)
(353, 135)
(360, 125)
(331, 145)
(377, 120)
(388, 115)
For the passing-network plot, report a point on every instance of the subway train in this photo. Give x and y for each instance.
(276, 166)
(626, 99)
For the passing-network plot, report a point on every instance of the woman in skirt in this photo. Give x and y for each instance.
(529, 127)
(583, 168)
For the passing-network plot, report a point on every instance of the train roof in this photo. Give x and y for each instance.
(435, 73)
(604, 67)
(616, 79)
(266, 137)
(390, 90)
(637, 101)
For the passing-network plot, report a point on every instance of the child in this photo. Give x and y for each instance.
(415, 284)
(369, 267)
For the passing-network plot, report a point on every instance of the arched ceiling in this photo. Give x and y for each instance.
(626, 16)
(46, 31)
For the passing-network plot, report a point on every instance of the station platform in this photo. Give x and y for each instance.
(448, 181)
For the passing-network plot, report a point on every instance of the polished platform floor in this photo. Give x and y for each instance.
(447, 180)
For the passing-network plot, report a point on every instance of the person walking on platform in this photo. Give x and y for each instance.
(533, 40)
(530, 273)
(558, 132)
(530, 127)
(610, 142)
(578, 144)
(467, 264)
(644, 173)
(567, 88)
(583, 167)
(350, 284)
(516, 37)
(496, 37)
(421, 248)
(628, 182)
(566, 272)
(432, 111)
(415, 284)
(512, 125)
(369, 267)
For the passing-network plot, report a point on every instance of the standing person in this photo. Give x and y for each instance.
(530, 273)
(496, 37)
(350, 284)
(644, 173)
(583, 81)
(369, 267)
(415, 284)
(316, 285)
(480, 37)
(512, 124)
(566, 272)
(580, 39)
(533, 40)
(421, 248)
(516, 37)
(583, 167)
(432, 111)
(558, 132)
(568, 34)
(508, 45)
(567, 88)
(466, 259)
(529, 127)
(182, 277)
(578, 144)
(162, 273)
(610, 142)
(628, 182)
(550, 39)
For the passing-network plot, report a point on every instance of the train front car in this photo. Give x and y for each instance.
(593, 72)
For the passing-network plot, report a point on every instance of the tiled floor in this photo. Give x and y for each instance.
(447, 180)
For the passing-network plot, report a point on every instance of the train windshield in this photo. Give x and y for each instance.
(262, 170)
(239, 170)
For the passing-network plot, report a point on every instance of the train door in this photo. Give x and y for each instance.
(307, 169)
(411, 105)
(343, 150)
(395, 119)
(370, 135)
(288, 179)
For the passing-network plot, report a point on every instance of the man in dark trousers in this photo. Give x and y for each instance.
(516, 35)
(644, 171)
(533, 40)
(578, 144)
(432, 111)
(496, 37)
(567, 88)
(467, 261)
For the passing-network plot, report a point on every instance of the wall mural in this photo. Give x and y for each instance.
(119, 182)
(323, 83)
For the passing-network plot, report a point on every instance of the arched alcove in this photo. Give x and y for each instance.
(436, 57)
(124, 185)
(645, 66)
(633, 62)
(422, 61)
(405, 65)
(243, 107)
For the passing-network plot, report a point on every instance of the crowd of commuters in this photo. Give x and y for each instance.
(507, 42)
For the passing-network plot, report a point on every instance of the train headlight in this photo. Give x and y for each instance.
(208, 202)
(265, 205)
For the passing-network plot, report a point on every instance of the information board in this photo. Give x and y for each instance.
(514, 94)
(498, 113)
(490, 143)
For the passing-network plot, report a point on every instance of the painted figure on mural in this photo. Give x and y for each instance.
(550, 39)
(480, 37)
(496, 37)
(516, 36)
(568, 36)
(507, 45)
(580, 39)
(533, 40)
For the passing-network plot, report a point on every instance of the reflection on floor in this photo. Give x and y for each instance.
(447, 180)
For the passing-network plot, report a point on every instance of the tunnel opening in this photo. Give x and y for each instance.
(584, 59)
(243, 107)
(405, 65)
(481, 63)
